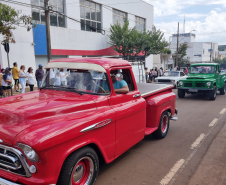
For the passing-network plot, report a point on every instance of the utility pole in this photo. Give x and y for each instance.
(177, 45)
(211, 53)
(48, 39)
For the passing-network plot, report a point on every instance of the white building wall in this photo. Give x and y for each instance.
(22, 51)
(72, 37)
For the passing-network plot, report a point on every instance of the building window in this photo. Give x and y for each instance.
(90, 14)
(118, 17)
(55, 19)
(140, 24)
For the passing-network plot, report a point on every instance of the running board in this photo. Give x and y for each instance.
(150, 130)
(174, 118)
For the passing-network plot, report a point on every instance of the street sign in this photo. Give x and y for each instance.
(210, 50)
(6, 46)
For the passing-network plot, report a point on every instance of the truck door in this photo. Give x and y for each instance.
(130, 111)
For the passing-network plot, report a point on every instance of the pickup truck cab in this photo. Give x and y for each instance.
(58, 134)
(204, 78)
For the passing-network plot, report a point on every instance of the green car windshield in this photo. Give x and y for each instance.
(202, 70)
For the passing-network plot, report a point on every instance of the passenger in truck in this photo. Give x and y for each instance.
(120, 85)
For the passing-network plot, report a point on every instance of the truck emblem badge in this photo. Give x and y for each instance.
(97, 125)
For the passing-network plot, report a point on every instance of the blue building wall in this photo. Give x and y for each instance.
(40, 39)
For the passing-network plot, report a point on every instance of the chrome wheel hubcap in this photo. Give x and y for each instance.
(78, 174)
(82, 173)
(164, 124)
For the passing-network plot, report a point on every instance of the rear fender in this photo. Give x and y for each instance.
(157, 104)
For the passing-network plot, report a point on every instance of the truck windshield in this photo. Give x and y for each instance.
(202, 69)
(171, 73)
(77, 80)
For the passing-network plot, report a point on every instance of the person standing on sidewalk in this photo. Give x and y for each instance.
(7, 82)
(39, 74)
(1, 78)
(146, 74)
(22, 78)
(160, 72)
(31, 79)
(15, 72)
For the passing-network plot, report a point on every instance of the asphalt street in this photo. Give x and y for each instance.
(174, 159)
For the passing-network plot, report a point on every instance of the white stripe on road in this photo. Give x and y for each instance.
(223, 111)
(197, 141)
(172, 172)
(213, 122)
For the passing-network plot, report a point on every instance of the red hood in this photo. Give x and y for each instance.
(23, 111)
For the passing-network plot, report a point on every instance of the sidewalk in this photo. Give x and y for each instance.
(27, 89)
(212, 169)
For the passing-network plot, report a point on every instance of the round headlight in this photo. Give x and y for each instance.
(29, 152)
(181, 83)
(208, 84)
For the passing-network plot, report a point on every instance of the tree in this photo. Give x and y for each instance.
(121, 38)
(9, 20)
(155, 44)
(182, 50)
(167, 51)
(131, 42)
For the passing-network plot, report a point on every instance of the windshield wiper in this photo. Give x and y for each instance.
(73, 89)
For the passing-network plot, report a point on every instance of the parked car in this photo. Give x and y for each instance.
(171, 77)
(58, 134)
(204, 78)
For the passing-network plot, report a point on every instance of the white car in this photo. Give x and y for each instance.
(171, 77)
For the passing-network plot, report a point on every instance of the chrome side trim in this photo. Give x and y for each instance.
(21, 158)
(5, 182)
(95, 126)
(152, 92)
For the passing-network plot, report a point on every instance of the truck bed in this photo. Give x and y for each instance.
(147, 89)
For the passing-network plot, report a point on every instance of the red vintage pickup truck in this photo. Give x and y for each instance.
(58, 134)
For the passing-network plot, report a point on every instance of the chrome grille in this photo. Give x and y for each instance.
(163, 80)
(12, 160)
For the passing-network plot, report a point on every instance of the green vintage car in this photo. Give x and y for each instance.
(204, 78)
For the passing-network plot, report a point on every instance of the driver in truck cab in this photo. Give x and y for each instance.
(120, 86)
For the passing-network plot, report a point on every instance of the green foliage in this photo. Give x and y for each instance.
(9, 20)
(130, 42)
(167, 51)
(183, 51)
(221, 47)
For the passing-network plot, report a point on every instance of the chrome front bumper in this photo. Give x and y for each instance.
(6, 182)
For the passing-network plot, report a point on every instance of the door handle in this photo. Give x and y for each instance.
(136, 95)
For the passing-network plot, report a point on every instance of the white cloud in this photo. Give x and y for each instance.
(217, 9)
(172, 7)
(192, 15)
(214, 22)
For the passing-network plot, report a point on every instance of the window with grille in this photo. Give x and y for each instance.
(90, 14)
(55, 19)
(118, 17)
(140, 24)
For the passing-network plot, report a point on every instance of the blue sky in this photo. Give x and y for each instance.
(207, 17)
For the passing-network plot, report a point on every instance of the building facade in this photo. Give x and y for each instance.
(197, 51)
(81, 36)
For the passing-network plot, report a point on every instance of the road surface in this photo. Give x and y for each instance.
(172, 160)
